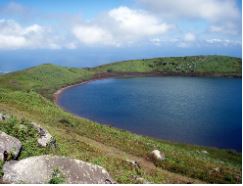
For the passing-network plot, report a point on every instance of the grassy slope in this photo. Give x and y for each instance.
(86, 140)
(44, 79)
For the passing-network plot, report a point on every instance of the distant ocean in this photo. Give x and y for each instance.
(12, 60)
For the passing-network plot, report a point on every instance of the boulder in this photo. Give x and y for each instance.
(39, 170)
(9, 146)
(45, 138)
(157, 155)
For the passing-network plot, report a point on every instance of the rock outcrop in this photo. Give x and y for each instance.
(40, 169)
(9, 146)
(45, 138)
(157, 155)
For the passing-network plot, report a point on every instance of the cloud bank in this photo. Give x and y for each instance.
(120, 26)
(184, 24)
(15, 36)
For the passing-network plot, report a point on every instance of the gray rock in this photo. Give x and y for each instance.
(9, 146)
(157, 155)
(39, 169)
(204, 152)
(45, 137)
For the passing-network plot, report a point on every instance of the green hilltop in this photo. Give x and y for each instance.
(43, 79)
(193, 65)
(27, 95)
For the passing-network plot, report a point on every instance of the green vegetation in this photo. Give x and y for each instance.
(44, 79)
(24, 131)
(1, 169)
(26, 95)
(57, 177)
(195, 65)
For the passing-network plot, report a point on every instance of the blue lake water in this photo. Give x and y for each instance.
(195, 110)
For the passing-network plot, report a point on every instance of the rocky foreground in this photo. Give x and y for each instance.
(46, 168)
(50, 168)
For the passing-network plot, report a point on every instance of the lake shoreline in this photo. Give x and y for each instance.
(100, 77)
(104, 75)
(28, 95)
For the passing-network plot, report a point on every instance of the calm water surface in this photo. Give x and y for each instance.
(203, 111)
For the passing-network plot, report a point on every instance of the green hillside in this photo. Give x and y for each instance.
(44, 79)
(197, 65)
(26, 95)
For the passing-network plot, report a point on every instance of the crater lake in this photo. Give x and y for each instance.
(194, 110)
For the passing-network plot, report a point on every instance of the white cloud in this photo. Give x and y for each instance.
(183, 41)
(187, 40)
(10, 41)
(189, 37)
(125, 26)
(34, 29)
(91, 34)
(167, 24)
(9, 27)
(226, 28)
(222, 16)
(224, 42)
(14, 36)
(137, 22)
(157, 41)
(211, 10)
(120, 26)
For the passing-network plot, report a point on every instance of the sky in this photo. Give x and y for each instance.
(92, 32)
